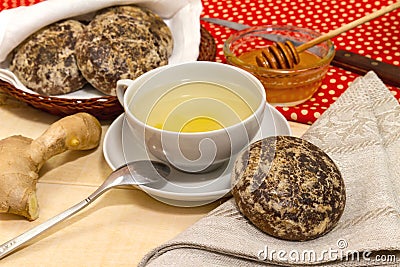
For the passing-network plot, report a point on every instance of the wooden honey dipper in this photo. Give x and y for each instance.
(286, 55)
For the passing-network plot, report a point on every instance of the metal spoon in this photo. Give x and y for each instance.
(133, 173)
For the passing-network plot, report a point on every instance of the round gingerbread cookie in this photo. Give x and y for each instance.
(288, 188)
(122, 43)
(45, 62)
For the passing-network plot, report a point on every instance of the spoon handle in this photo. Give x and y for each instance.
(13, 244)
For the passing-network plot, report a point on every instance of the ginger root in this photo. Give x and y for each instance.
(22, 158)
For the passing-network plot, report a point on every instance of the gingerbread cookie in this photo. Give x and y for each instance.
(122, 43)
(46, 63)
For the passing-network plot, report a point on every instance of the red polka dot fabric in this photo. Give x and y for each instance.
(378, 39)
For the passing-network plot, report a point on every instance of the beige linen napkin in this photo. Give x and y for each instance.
(361, 133)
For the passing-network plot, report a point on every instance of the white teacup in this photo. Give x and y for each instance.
(194, 115)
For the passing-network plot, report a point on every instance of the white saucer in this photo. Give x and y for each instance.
(181, 189)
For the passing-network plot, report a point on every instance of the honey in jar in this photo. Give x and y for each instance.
(307, 59)
(291, 87)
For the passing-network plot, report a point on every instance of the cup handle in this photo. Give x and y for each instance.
(122, 85)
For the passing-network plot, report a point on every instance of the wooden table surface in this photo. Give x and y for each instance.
(116, 230)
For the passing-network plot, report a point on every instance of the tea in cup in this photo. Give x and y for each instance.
(194, 115)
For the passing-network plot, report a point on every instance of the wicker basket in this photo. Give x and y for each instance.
(103, 108)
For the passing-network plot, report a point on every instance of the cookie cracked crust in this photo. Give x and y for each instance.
(122, 43)
(288, 188)
(45, 62)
